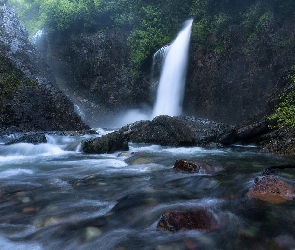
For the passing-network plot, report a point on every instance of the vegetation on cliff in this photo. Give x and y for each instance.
(284, 113)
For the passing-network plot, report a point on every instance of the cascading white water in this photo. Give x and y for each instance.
(172, 80)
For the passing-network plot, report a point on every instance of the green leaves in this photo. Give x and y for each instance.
(284, 113)
(57, 15)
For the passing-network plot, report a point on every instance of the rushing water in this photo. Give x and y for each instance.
(52, 196)
(172, 79)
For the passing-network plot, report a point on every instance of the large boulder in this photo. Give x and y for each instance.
(180, 131)
(162, 130)
(109, 143)
(272, 189)
(188, 220)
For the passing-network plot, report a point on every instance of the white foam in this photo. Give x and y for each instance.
(13, 172)
(10, 245)
(174, 150)
(27, 149)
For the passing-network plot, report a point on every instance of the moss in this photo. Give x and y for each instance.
(284, 113)
(11, 79)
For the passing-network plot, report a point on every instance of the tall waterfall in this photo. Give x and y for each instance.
(172, 79)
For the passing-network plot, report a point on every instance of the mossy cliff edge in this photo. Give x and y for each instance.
(29, 100)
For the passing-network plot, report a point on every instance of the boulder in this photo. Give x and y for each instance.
(192, 167)
(180, 131)
(188, 220)
(163, 130)
(272, 189)
(109, 143)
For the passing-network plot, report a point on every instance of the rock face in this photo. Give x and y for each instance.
(199, 167)
(109, 143)
(234, 84)
(188, 220)
(272, 189)
(280, 141)
(95, 70)
(29, 100)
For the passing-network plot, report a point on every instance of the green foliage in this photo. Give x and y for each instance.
(57, 15)
(149, 36)
(249, 17)
(284, 113)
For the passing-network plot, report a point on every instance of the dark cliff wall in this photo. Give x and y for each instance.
(236, 83)
(29, 101)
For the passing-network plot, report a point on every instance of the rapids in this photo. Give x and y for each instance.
(52, 196)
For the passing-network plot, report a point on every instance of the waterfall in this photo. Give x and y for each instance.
(172, 79)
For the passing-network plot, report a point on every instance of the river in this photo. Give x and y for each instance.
(52, 196)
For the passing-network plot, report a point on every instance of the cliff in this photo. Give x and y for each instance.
(29, 99)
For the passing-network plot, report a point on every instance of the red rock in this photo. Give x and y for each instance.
(272, 189)
(192, 167)
(188, 220)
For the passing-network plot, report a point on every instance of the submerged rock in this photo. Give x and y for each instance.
(191, 167)
(188, 220)
(109, 143)
(272, 189)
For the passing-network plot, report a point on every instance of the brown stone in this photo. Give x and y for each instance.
(272, 189)
(192, 167)
(188, 220)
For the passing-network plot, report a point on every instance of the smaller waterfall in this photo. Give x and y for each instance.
(172, 80)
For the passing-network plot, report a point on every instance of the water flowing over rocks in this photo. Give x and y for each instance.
(199, 167)
(272, 189)
(34, 138)
(188, 220)
(166, 131)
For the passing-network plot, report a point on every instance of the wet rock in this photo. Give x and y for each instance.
(30, 210)
(34, 138)
(279, 141)
(192, 167)
(180, 131)
(109, 143)
(188, 220)
(92, 232)
(162, 130)
(251, 132)
(89, 181)
(272, 189)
